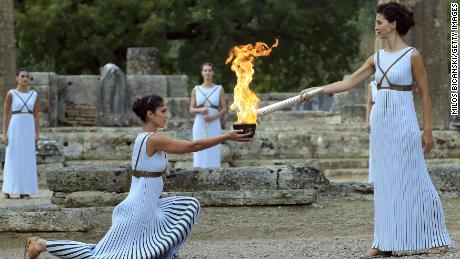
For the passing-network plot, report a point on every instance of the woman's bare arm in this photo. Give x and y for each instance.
(368, 107)
(177, 146)
(363, 73)
(193, 109)
(7, 113)
(421, 79)
(36, 119)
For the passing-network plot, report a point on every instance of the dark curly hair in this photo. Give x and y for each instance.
(147, 103)
(21, 70)
(397, 12)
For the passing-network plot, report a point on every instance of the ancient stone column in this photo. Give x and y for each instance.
(114, 99)
(143, 61)
(7, 49)
(429, 37)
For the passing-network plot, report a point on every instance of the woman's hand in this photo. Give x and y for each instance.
(308, 93)
(427, 141)
(368, 127)
(237, 135)
(5, 139)
(204, 110)
(209, 118)
(37, 138)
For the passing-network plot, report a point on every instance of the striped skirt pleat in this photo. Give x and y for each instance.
(142, 227)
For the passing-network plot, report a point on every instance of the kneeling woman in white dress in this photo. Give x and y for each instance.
(20, 135)
(208, 104)
(143, 225)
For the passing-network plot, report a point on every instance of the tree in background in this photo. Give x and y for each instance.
(319, 40)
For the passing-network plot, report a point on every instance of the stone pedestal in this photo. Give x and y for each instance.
(114, 98)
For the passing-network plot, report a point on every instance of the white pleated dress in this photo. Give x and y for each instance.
(209, 98)
(143, 225)
(408, 211)
(20, 172)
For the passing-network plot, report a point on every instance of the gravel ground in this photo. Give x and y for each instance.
(332, 229)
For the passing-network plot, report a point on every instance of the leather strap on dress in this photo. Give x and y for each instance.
(24, 104)
(212, 106)
(138, 174)
(19, 112)
(384, 75)
(147, 174)
(206, 99)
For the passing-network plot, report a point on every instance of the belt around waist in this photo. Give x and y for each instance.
(212, 106)
(19, 112)
(146, 174)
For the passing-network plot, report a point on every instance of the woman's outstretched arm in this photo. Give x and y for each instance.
(363, 73)
(177, 146)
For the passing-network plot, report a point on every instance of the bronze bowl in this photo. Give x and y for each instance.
(247, 128)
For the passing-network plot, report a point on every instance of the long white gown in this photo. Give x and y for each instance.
(20, 172)
(143, 225)
(408, 211)
(209, 98)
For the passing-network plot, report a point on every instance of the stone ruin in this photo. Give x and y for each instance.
(104, 100)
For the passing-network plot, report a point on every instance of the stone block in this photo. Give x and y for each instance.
(44, 219)
(141, 85)
(228, 179)
(446, 177)
(177, 86)
(93, 199)
(251, 197)
(89, 178)
(143, 61)
(300, 177)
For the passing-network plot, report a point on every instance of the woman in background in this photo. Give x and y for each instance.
(208, 104)
(20, 135)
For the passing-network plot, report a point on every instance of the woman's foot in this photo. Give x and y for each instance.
(438, 250)
(374, 252)
(34, 247)
(24, 196)
(7, 196)
(178, 257)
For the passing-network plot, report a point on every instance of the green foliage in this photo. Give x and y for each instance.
(319, 40)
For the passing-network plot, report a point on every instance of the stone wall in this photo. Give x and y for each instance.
(72, 100)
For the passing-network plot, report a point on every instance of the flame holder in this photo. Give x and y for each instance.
(279, 105)
(247, 128)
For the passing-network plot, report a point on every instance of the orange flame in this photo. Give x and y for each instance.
(245, 100)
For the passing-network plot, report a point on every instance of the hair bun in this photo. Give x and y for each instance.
(137, 106)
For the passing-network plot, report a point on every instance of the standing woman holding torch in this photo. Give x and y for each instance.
(208, 104)
(408, 211)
